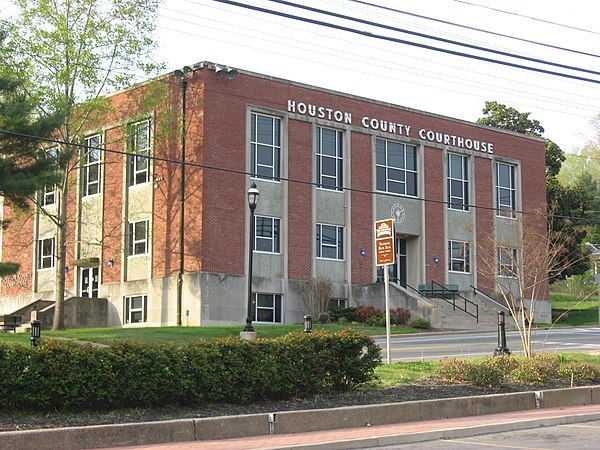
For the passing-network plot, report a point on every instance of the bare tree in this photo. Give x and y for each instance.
(316, 293)
(521, 259)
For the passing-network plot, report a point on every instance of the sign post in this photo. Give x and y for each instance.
(384, 256)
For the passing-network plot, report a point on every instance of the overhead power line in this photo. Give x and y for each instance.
(434, 38)
(414, 44)
(527, 17)
(241, 172)
(480, 30)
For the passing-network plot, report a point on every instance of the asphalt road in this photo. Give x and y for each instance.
(559, 437)
(434, 346)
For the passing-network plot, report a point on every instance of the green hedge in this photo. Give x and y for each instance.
(64, 376)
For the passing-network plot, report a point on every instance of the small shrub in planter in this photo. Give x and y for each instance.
(343, 315)
(537, 370)
(420, 324)
(400, 316)
(579, 371)
(453, 370)
(364, 313)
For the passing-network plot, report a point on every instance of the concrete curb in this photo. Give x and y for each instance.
(304, 421)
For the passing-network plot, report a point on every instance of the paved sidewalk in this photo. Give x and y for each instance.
(375, 436)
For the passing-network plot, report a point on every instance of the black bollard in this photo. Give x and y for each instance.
(502, 349)
(36, 332)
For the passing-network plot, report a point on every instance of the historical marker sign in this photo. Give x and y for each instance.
(384, 242)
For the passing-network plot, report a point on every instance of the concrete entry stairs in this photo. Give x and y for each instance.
(80, 312)
(444, 315)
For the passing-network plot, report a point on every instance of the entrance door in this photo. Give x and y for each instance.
(398, 270)
(88, 282)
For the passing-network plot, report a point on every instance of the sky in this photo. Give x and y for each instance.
(190, 31)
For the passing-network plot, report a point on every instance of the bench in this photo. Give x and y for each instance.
(438, 290)
(8, 323)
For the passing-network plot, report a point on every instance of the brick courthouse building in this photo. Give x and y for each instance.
(327, 165)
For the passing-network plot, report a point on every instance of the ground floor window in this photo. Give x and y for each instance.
(136, 309)
(337, 303)
(459, 257)
(267, 308)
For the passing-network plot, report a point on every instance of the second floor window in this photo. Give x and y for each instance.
(330, 241)
(266, 236)
(47, 196)
(265, 144)
(505, 190)
(396, 167)
(90, 166)
(330, 159)
(45, 256)
(139, 144)
(137, 238)
(458, 182)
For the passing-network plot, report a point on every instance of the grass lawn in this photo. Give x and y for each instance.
(582, 311)
(185, 334)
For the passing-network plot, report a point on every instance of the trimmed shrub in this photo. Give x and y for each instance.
(420, 324)
(453, 370)
(537, 370)
(400, 316)
(579, 371)
(340, 314)
(64, 376)
(364, 313)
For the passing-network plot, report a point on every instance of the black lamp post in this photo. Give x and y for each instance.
(308, 324)
(36, 332)
(502, 349)
(252, 201)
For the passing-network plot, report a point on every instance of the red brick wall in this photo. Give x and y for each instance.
(435, 209)
(362, 209)
(300, 217)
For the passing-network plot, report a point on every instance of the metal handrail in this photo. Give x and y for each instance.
(478, 291)
(454, 305)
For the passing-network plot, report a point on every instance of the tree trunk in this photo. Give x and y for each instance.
(61, 257)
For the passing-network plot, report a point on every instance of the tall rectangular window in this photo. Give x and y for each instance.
(47, 196)
(90, 166)
(458, 182)
(507, 262)
(265, 145)
(505, 190)
(330, 241)
(266, 235)
(45, 256)
(330, 159)
(139, 144)
(137, 238)
(267, 308)
(459, 257)
(396, 167)
(135, 309)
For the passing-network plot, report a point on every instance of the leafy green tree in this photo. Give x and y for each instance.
(24, 167)
(72, 53)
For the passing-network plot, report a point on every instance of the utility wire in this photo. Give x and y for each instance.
(288, 180)
(402, 41)
(493, 33)
(527, 17)
(435, 38)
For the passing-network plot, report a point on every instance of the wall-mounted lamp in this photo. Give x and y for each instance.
(185, 71)
(110, 262)
(363, 252)
(221, 71)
